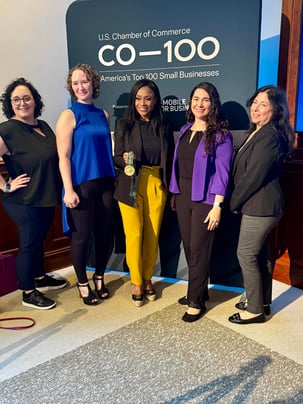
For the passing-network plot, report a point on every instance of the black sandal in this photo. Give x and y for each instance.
(103, 292)
(150, 294)
(149, 291)
(91, 299)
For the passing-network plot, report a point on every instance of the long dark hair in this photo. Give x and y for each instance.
(216, 122)
(280, 118)
(6, 97)
(131, 115)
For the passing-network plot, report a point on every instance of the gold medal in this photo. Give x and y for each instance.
(129, 170)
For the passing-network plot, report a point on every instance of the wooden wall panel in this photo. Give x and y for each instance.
(290, 229)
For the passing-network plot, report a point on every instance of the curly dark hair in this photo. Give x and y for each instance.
(5, 99)
(91, 74)
(131, 114)
(280, 118)
(216, 122)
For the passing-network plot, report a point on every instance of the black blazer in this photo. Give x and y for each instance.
(256, 170)
(125, 141)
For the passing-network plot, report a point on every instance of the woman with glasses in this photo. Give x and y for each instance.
(88, 174)
(32, 190)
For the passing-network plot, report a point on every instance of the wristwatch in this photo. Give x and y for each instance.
(220, 204)
(7, 187)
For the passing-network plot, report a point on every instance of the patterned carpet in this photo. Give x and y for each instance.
(159, 359)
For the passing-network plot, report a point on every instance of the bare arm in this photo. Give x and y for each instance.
(107, 117)
(64, 135)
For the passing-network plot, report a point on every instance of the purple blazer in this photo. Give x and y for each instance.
(210, 172)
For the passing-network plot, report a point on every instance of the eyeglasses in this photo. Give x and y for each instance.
(17, 100)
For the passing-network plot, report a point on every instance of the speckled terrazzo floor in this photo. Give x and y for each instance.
(117, 353)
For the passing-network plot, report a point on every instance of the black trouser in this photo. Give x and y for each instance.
(169, 243)
(33, 224)
(197, 242)
(94, 214)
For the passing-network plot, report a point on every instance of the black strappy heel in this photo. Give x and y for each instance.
(91, 299)
(103, 292)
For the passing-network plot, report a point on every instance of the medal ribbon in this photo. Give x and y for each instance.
(130, 161)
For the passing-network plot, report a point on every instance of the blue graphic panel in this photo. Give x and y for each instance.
(269, 61)
(234, 45)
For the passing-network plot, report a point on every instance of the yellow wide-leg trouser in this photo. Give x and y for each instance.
(142, 225)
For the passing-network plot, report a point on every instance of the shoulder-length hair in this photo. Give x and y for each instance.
(280, 117)
(216, 122)
(91, 74)
(5, 99)
(131, 115)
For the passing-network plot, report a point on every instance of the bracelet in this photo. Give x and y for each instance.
(7, 187)
(219, 204)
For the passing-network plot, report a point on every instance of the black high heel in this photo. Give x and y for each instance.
(91, 299)
(103, 292)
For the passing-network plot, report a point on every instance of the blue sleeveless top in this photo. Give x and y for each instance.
(91, 155)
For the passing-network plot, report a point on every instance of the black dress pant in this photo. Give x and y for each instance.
(33, 224)
(197, 242)
(169, 243)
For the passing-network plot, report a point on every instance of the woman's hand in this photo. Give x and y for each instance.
(19, 182)
(213, 218)
(125, 157)
(71, 199)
